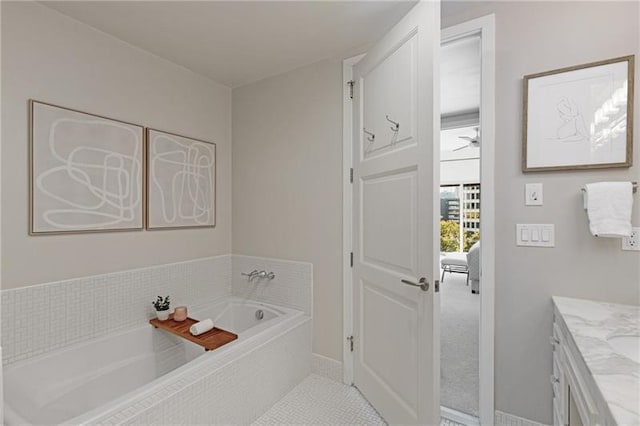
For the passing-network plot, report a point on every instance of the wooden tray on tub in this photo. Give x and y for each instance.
(210, 340)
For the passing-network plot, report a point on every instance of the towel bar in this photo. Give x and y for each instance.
(634, 184)
(584, 193)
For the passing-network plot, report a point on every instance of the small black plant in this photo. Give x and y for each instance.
(161, 304)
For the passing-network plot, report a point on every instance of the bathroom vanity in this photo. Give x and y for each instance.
(596, 363)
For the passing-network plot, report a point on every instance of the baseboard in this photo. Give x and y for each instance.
(451, 417)
(326, 367)
(506, 419)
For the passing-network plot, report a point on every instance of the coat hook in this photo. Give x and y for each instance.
(396, 126)
(371, 137)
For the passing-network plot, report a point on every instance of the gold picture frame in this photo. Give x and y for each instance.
(579, 117)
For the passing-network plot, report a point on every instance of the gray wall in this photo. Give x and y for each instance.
(534, 37)
(287, 170)
(286, 165)
(287, 182)
(52, 58)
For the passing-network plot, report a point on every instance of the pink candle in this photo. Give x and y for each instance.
(180, 313)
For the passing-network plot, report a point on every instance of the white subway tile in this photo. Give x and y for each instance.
(44, 317)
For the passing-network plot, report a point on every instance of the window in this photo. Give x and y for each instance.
(459, 209)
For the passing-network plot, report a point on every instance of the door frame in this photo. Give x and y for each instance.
(347, 218)
(485, 26)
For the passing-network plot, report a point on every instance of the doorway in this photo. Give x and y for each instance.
(483, 26)
(467, 217)
(460, 218)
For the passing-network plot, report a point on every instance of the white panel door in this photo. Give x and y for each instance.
(396, 236)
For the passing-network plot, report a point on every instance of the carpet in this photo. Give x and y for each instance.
(459, 345)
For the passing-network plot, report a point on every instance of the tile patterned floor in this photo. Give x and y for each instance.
(321, 401)
(318, 400)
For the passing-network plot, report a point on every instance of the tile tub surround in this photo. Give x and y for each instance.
(236, 389)
(616, 378)
(43, 317)
(292, 286)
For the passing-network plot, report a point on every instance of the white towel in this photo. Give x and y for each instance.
(201, 327)
(609, 207)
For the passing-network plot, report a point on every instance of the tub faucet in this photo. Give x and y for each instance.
(259, 274)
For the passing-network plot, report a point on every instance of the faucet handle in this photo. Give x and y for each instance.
(250, 275)
(258, 274)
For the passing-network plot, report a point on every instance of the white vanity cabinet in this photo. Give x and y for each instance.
(594, 381)
(573, 402)
(558, 378)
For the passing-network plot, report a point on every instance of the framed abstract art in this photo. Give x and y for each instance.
(181, 181)
(86, 172)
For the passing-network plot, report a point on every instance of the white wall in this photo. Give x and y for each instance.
(287, 170)
(52, 58)
(534, 37)
(287, 182)
(460, 171)
(286, 165)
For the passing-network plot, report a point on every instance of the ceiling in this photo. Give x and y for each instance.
(239, 42)
(460, 76)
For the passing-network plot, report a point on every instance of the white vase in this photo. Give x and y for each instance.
(163, 315)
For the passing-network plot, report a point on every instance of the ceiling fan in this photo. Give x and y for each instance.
(474, 142)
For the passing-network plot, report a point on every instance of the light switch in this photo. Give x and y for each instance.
(546, 235)
(533, 194)
(535, 235)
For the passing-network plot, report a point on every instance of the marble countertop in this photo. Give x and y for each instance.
(617, 377)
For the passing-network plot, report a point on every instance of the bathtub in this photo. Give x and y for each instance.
(93, 381)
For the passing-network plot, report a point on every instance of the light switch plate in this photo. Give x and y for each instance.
(535, 235)
(533, 194)
(632, 243)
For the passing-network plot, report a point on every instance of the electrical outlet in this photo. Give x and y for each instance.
(632, 242)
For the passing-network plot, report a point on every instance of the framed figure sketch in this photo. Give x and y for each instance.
(181, 181)
(579, 117)
(85, 172)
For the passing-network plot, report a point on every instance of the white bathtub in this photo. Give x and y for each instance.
(82, 383)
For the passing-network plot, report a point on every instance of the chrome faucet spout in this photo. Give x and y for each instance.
(258, 274)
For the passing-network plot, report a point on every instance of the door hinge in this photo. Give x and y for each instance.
(351, 83)
(350, 339)
(351, 175)
(436, 285)
(351, 259)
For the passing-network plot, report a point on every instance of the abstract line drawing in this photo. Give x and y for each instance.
(86, 172)
(572, 127)
(577, 118)
(181, 181)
